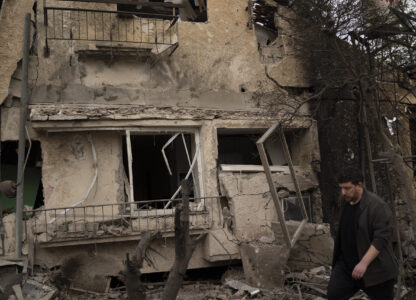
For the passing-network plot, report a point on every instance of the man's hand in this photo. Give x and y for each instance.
(359, 270)
(361, 267)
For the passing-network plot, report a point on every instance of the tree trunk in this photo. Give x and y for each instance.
(135, 288)
(401, 177)
(132, 274)
(184, 245)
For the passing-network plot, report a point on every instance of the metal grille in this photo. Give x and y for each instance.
(109, 220)
(110, 26)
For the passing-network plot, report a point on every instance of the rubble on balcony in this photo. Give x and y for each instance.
(111, 220)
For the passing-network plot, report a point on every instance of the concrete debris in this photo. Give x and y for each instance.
(250, 201)
(9, 223)
(306, 285)
(313, 249)
(84, 112)
(404, 291)
(113, 230)
(18, 292)
(8, 278)
(266, 239)
(264, 264)
(234, 273)
(36, 290)
(312, 284)
(238, 285)
(49, 295)
(318, 270)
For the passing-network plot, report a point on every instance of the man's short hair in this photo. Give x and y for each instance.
(352, 175)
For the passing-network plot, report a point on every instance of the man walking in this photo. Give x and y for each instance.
(363, 254)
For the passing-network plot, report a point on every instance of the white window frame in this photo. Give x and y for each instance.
(165, 130)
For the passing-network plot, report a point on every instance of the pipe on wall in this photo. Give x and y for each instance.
(22, 137)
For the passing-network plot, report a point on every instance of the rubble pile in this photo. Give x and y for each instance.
(46, 285)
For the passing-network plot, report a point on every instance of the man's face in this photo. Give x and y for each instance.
(351, 192)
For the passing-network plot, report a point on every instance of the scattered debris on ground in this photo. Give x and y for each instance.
(309, 284)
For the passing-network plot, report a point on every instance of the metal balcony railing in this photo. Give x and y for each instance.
(121, 27)
(110, 220)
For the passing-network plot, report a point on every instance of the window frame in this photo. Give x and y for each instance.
(195, 134)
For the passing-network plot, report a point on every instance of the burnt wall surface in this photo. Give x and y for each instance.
(216, 65)
(340, 148)
(342, 145)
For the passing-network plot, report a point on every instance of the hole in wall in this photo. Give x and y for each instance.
(33, 188)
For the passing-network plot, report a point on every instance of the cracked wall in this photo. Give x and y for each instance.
(314, 247)
(68, 169)
(216, 65)
(12, 19)
(215, 79)
(251, 205)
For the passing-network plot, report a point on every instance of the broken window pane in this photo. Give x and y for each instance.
(193, 10)
(145, 11)
(151, 177)
(238, 147)
(263, 18)
(292, 209)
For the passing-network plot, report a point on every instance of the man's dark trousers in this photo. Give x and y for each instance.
(343, 286)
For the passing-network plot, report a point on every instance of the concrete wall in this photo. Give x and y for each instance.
(251, 205)
(67, 160)
(217, 65)
(68, 169)
(12, 19)
(215, 79)
(93, 263)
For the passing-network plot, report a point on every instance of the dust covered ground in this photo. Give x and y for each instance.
(219, 283)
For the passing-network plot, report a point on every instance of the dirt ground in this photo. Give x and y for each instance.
(203, 284)
(309, 284)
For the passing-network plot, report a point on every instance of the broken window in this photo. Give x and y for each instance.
(158, 163)
(263, 20)
(33, 189)
(192, 10)
(238, 147)
(291, 207)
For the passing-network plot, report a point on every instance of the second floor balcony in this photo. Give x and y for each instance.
(117, 31)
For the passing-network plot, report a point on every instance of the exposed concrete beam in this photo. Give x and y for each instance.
(253, 168)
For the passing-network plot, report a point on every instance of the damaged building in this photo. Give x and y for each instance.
(128, 100)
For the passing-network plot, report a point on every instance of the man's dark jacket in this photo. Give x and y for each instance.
(373, 227)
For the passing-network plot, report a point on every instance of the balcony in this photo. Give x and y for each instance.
(112, 32)
(113, 222)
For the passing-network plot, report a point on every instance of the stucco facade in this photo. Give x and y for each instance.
(213, 88)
